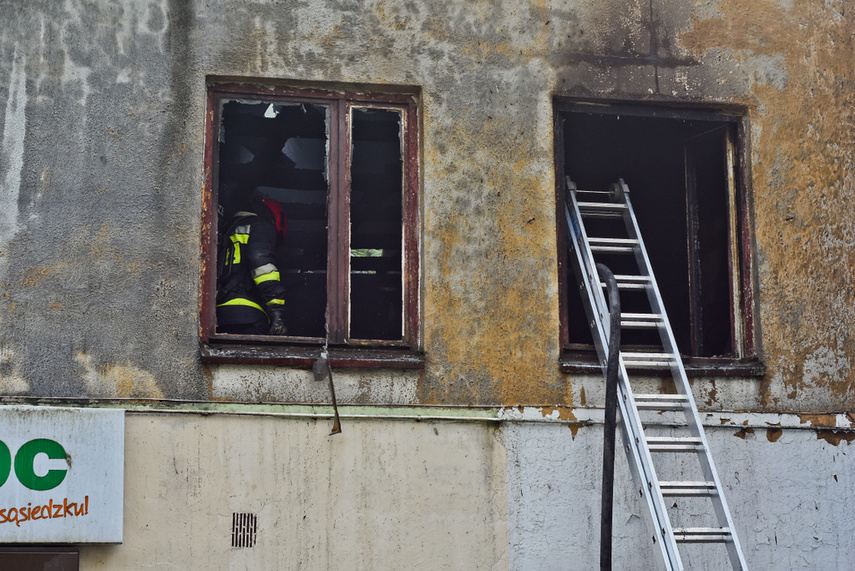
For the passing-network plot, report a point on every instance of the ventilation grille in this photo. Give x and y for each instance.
(244, 527)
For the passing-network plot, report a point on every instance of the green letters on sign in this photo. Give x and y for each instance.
(5, 462)
(24, 464)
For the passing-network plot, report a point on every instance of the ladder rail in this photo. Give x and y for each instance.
(637, 446)
(586, 274)
(678, 372)
(631, 426)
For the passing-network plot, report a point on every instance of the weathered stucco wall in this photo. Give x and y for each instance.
(100, 170)
(785, 505)
(447, 495)
(101, 173)
(384, 496)
(101, 167)
(802, 101)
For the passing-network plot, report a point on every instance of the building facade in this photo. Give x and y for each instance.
(421, 150)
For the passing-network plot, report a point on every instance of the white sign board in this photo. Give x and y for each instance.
(61, 474)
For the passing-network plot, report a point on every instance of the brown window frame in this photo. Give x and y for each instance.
(294, 350)
(581, 358)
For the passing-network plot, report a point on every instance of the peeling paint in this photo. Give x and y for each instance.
(819, 420)
(835, 437)
(555, 414)
(743, 433)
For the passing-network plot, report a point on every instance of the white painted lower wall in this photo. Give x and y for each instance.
(446, 494)
(791, 501)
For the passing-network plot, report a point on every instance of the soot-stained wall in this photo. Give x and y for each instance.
(101, 164)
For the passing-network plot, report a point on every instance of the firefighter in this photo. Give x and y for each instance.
(250, 294)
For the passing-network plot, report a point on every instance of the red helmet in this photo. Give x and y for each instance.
(279, 214)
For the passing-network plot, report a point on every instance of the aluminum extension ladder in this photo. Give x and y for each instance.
(680, 435)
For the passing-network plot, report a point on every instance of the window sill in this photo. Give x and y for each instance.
(586, 363)
(305, 357)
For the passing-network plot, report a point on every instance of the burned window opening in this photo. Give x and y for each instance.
(344, 172)
(681, 171)
(279, 151)
(376, 171)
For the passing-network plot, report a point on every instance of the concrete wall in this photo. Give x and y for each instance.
(446, 494)
(385, 496)
(784, 488)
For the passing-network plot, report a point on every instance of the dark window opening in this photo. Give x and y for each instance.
(343, 170)
(376, 288)
(279, 150)
(681, 169)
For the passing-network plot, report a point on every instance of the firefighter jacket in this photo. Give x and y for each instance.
(249, 282)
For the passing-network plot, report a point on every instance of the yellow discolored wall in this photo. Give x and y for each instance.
(103, 202)
(801, 102)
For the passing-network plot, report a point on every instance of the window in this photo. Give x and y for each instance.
(343, 168)
(684, 169)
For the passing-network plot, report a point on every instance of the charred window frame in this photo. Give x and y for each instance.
(686, 171)
(345, 167)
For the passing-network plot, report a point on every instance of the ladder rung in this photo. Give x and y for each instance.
(611, 249)
(630, 282)
(599, 192)
(671, 444)
(612, 241)
(601, 206)
(631, 278)
(627, 285)
(601, 209)
(702, 534)
(601, 214)
(697, 489)
(640, 320)
(648, 360)
(660, 402)
(648, 356)
(612, 245)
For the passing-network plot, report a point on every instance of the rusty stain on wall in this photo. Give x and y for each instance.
(819, 420)
(798, 56)
(563, 413)
(503, 328)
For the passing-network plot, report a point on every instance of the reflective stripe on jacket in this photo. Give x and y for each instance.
(250, 268)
